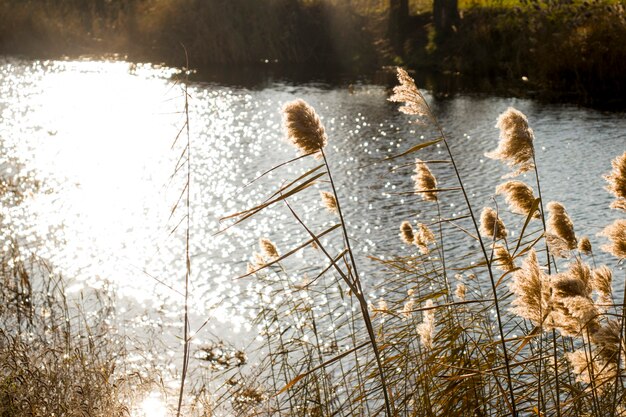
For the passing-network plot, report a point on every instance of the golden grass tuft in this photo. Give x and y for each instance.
(408, 93)
(406, 233)
(515, 147)
(616, 233)
(303, 127)
(519, 197)
(560, 225)
(617, 182)
(424, 180)
(491, 226)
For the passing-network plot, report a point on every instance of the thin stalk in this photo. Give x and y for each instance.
(187, 257)
(619, 352)
(359, 294)
(554, 344)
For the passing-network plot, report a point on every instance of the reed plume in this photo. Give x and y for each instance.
(406, 233)
(304, 127)
(329, 201)
(503, 258)
(590, 370)
(617, 182)
(616, 233)
(268, 249)
(518, 196)
(560, 230)
(460, 291)
(531, 288)
(408, 93)
(573, 307)
(423, 238)
(424, 181)
(584, 245)
(491, 226)
(601, 282)
(408, 307)
(607, 338)
(515, 147)
(426, 328)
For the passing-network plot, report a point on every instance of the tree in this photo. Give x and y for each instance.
(398, 19)
(445, 15)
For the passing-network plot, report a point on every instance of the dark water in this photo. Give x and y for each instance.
(100, 136)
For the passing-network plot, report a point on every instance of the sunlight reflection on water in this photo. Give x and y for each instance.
(99, 136)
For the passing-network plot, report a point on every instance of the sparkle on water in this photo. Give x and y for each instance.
(100, 138)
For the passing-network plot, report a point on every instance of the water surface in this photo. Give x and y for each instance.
(101, 138)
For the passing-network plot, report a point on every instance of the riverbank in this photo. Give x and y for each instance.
(571, 52)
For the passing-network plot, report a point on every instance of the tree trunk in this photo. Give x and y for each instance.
(398, 19)
(446, 15)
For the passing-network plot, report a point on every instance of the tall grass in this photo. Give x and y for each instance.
(522, 323)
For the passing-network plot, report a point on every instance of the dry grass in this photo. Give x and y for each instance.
(515, 337)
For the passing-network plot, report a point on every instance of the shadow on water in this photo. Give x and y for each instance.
(441, 84)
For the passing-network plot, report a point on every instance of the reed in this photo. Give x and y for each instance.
(515, 337)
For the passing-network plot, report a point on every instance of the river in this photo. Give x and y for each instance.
(100, 139)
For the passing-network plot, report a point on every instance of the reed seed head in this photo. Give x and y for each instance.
(574, 310)
(617, 182)
(426, 329)
(518, 196)
(531, 288)
(423, 238)
(616, 233)
(461, 291)
(503, 258)
(589, 367)
(406, 233)
(601, 282)
(515, 147)
(268, 248)
(584, 245)
(259, 261)
(491, 226)
(576, 281)
(559, 224)
(330, 202)
(304, 127)
(424, 181)
(407, 310)
(607, 338)
(408, 93)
